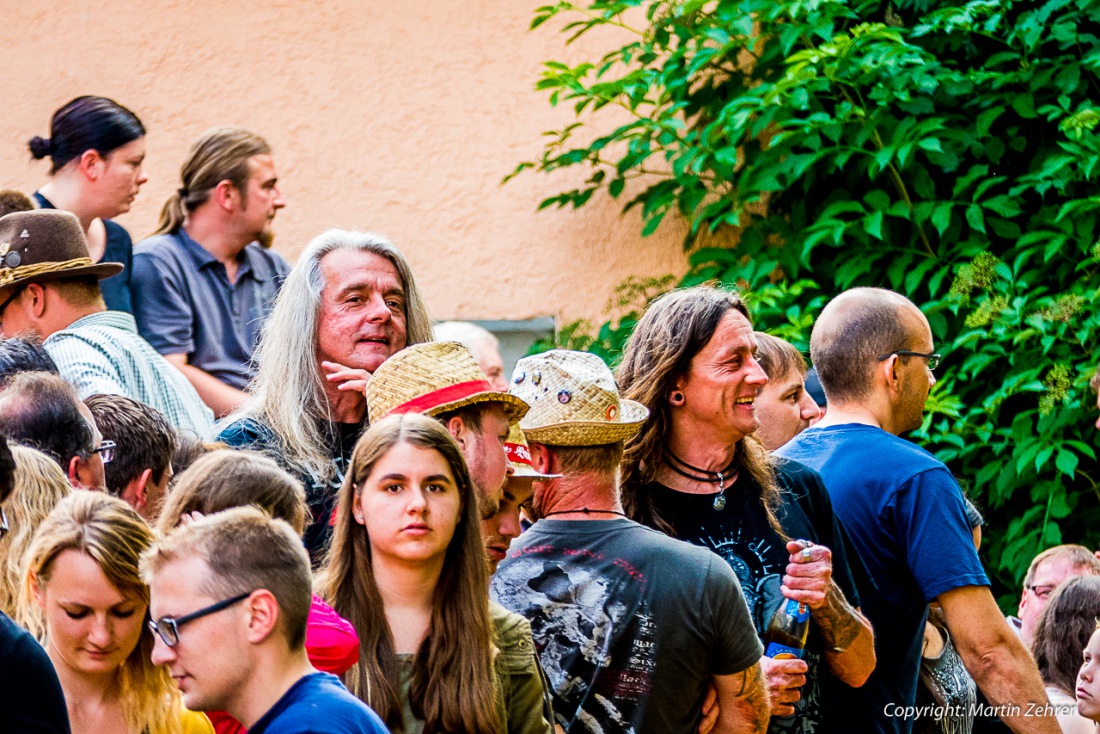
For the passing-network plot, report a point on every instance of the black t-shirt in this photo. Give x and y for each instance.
(629, 624)
(31, 701)
(741, 535)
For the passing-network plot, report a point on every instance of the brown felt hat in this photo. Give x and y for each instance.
(43, 245)
(434, 378)
(574, 400)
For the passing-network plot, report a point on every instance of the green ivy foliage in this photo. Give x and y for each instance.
(946, 150)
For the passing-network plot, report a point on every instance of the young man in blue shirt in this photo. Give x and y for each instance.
(229, 598)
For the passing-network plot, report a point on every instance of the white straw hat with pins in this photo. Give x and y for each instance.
(574, 400)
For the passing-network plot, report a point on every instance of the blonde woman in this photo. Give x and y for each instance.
(39, 485)
(83, 597)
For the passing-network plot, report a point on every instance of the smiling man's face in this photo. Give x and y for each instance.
(362, 318)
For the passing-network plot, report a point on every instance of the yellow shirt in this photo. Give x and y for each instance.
(196, 723)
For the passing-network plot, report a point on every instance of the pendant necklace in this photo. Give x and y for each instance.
(684, 469)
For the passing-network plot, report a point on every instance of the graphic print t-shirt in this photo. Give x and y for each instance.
(741, 535)
(629, 624)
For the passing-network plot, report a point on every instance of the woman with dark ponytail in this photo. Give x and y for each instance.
(96, 149)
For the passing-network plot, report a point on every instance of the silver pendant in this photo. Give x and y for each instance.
(720, 502)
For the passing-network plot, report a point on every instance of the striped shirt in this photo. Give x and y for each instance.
(103, 354)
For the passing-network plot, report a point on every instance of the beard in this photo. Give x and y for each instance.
(266, 238)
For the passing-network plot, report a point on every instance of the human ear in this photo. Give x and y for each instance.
(457, 428)
(541, 458)
(90, 164)
(263, 615)
(226, 194)
(676, 394)
(38, 591)
(74, 471)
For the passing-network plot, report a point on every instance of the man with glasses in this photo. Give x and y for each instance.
(50, 289)
(1047, 570)
(144, 443)
(904, 511)
(229, 597)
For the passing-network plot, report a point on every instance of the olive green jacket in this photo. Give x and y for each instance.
(523, 693)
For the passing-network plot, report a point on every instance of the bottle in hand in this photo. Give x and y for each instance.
(785, 637)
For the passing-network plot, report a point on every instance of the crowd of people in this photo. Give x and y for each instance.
(238, 495)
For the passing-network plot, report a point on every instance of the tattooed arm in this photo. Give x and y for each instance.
(849, 642)
(844, 628)
(742, 702)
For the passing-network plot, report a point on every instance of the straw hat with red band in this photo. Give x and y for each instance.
(434, 378)
(519, 456)
(43, 245)
(574, 400)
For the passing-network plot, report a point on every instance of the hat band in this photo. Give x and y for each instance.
(518, 453)
(449, 394)
(10, 275)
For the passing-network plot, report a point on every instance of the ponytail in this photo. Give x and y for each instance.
(172, 214)
(221, 154)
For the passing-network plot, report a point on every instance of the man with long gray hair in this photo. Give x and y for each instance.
(205, 281)
(349, 303)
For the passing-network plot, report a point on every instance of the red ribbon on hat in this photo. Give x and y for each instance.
(518, 453)
(443, 395)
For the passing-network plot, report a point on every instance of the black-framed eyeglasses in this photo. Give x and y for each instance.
(3, 523)
(168, 628)
(932, 357)
(106, 451)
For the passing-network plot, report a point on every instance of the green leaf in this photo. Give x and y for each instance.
(941, 217)
(1066, 462)
(974, 218)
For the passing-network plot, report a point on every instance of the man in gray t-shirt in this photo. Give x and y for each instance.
(630, 625)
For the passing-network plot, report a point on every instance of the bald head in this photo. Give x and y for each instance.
(482, 344)
(855, 329)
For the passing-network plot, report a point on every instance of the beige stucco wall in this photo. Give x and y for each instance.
(397, 116)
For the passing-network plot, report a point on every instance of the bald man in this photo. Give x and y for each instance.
(874, 354)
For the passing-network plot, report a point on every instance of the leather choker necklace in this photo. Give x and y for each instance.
(722, 478)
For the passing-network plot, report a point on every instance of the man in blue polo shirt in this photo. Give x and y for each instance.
(205, 281)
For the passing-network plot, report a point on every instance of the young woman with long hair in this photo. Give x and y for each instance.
(39, 486)
(96, 148)
(407, 567)
(83, 597)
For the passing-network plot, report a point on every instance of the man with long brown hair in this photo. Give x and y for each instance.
(697, 471)
(205, 281)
